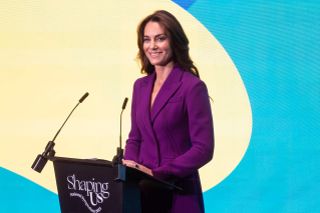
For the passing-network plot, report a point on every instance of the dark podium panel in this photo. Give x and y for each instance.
(93, 186)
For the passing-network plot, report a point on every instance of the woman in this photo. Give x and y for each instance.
(171, 133)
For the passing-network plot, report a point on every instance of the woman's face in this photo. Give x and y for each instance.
(156, 44)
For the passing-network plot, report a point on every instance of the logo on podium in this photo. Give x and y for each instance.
(92, 193)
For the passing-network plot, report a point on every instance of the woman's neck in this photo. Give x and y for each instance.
(162, 72)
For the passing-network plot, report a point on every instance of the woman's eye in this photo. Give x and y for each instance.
(162, 38)
(146, 39)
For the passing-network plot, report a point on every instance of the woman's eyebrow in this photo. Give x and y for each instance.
(161, 34)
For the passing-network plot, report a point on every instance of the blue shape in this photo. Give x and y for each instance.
(184, 3)
(275, 48)
(21, 195)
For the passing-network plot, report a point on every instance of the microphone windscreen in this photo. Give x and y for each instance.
(124, 103)
(83, 97)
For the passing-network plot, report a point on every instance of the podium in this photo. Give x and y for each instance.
(97, 186)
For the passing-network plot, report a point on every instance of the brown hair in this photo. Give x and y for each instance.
(178, 42)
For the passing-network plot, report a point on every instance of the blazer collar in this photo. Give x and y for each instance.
(167, 90)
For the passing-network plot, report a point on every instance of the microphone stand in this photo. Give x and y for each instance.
(117, 159)
(42, 159)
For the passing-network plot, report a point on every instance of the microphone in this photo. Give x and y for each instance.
(42, 159)
(117, 159)
(83, 97)
(124, 104)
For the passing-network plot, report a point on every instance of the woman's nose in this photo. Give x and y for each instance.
(154, 45)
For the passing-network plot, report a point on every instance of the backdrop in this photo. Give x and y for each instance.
(258, 59)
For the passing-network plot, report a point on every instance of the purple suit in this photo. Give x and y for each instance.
(174, 138)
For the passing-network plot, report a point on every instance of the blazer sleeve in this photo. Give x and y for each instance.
(132, 147)
(201, 133)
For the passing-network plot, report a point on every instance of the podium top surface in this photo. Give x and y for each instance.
(124, 172)
(93, 161)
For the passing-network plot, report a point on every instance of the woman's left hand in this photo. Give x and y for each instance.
(135, 165)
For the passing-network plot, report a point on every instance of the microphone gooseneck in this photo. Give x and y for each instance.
(80, 101)
(124, 104)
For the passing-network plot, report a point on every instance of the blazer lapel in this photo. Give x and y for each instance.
(145, 91)
(167, 90)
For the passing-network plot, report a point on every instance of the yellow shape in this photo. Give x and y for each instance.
(53, 51)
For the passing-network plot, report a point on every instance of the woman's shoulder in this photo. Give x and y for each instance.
(142, 80)
(190, 79)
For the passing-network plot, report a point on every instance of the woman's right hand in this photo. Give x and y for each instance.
(133, 164)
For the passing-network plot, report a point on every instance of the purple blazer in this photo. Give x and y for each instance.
(174, 138)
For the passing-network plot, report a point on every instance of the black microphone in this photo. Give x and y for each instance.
(124, 104)
(83, 97)
(117, 159)
(42, 159)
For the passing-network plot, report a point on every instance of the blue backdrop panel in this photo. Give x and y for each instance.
(21, 195)
(274, 46)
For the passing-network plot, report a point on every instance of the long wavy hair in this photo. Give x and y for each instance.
(178, 42)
